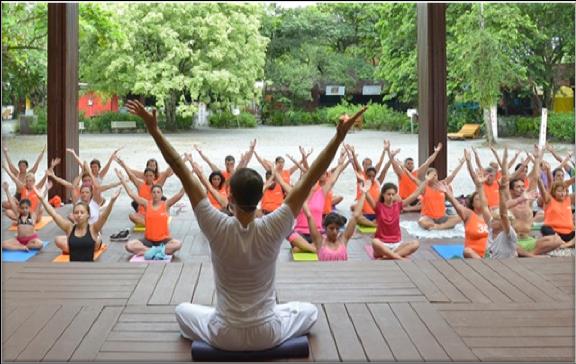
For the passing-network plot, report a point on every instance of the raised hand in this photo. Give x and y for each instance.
(530, 195)
(5, 186)
(386, 145)
(394, 153)
(442, 186)
(120, 175)
(253, 144)
(481, 176)
(366, 185)
(135, 107)
(55, 162)
(117, 193)
(438, 147)
(467, 154)
(345, 122)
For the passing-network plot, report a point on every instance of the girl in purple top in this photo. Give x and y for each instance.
(387, 242)
(334, 246)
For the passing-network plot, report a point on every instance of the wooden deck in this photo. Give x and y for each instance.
(426, 309)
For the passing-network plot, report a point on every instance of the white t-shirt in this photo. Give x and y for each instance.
(504, 246)
(94, 211)
(244, 262)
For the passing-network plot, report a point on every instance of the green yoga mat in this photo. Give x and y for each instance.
(366, 229)
(304, 257)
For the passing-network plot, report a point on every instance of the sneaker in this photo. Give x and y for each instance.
(121, 236)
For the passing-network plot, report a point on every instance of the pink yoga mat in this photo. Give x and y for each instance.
(370, 250)
(140, 259)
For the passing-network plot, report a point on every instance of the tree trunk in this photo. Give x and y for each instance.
(170, 110)
(488, 124)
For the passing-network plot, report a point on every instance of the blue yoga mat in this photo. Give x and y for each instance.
(452, 251)
(20, 256)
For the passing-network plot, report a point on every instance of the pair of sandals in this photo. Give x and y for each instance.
(123, 235)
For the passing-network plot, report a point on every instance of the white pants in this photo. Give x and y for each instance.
(292, 319)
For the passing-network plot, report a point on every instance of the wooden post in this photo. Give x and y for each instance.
(63, 27)
(432, 100)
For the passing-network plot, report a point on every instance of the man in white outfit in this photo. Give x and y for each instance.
(244, 250)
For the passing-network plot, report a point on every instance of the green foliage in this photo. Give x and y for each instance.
(560, 126)
(226, 119)
(102, 122)
(463, 113)
(397, 32)
(319, 44)
(208, 52)
(40, 126)
(24, 55)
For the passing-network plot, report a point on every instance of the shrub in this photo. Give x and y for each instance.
(560, 126)
(463, 113)
(228, 120)
(184, 123)
(103, 121)
(41, 124)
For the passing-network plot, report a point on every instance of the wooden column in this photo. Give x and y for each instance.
(63, 90)
(432, 100)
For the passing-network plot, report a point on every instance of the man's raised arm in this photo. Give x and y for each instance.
(298, 194)
(190, 183)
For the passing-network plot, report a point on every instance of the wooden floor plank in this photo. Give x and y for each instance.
(537, 280)
(41, 344)
(347, 342)
(165, 287)
(136, 356)
(186, 284)
(147, 326)
(522, 283)
(534, 354)
(525, 331)
(451, 292)
(205, 287)
(480, 266)
(12, 322)
(520, 342)
(143, 336)
(25, 333)
(146, 285)
(482, 284)
(510, 318)
(322, 345)
(460, 282)
(424, 284)
(444, 334)
(147, 317)
(67, 343)
(424, 341)
(90, 345)
(181, 345)
(373, 342)
(397, 339)
(149, 309)
(513, 306)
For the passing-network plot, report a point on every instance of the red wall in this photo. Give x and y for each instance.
(98, 106)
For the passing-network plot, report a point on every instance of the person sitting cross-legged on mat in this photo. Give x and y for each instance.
(474, 215)
(387, 242)
(83, 238)
(26, 236)
(558, 220)
(156, 215)
(433, 213)
(334, 246)
(244, 251)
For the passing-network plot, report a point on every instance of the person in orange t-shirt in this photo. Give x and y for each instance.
(558, 219)
(491, 188)
(406, 184)
(433, 212)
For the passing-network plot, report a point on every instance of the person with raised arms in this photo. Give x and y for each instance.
(244, 251)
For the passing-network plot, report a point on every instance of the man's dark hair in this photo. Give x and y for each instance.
(371, 169)
(246, 188)
(513, 182)
(23, 161)
(408, 159)
(97, 162)
(229, 158)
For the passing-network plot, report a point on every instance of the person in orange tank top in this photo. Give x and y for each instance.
(26, 192)
(229, 163)
(273, 195)
(214, 184)
(433, 213)
(474, 215)
(20, 173)
(156, 214)
(558, 219)
(406, 184)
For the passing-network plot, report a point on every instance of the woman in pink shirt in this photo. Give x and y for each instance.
(333, 245)
(387, 242)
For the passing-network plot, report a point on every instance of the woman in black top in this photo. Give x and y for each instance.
(83, 238)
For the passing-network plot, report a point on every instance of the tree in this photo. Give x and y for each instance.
(183, 54)
(24, 47)
(550, 41)
(484, 53)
